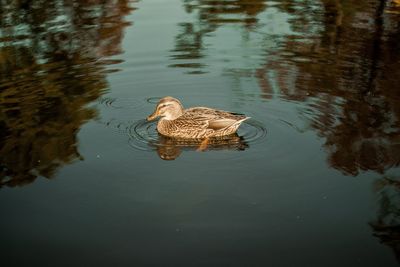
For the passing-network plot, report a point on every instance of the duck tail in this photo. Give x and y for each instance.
(242, 120)
(233, 127)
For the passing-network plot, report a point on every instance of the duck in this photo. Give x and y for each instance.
(194, 123)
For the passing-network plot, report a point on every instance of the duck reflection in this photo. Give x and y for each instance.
(171, 148)
(386, 227)
(52, 66)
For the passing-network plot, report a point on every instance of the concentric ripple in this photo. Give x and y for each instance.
(144, 136)
(153, 100)
(252, 131)
(122, 103)
(108, 102)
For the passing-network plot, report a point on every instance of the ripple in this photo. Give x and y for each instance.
(253, 131)
(142, 133)
(153, 100)
(117, 125)
(108, 102)
(144, 136)
(122, 103)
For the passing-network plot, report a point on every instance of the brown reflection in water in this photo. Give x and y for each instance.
(386, 227)
(51, 56)
(352, 68)
(171, 148)
(342, 61)
(189, 44)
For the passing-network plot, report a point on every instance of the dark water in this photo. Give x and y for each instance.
(311, 180)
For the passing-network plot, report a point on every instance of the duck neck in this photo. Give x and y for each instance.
(173, 115)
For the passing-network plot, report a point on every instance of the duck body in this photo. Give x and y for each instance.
(201, 122)
(194, 123)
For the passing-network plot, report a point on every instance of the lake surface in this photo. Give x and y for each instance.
(312, 179)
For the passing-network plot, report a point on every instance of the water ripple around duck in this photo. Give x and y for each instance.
(144, 136)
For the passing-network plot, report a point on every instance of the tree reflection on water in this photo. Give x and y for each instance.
(189, 44)
(342, 61)
(352, 70)
(340, 58)
(52, 66)
(386, 227)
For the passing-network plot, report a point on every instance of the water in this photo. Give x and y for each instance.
(311, 180)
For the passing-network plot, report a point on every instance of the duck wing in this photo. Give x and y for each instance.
(207, 118)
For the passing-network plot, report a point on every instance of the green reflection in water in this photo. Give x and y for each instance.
(52, 66)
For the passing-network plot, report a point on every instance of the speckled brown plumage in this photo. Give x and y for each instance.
(197, 122)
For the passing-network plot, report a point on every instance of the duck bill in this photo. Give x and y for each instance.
(152, 116)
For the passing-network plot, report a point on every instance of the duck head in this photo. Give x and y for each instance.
(168, 108)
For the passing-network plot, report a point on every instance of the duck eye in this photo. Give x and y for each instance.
(164, 105)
